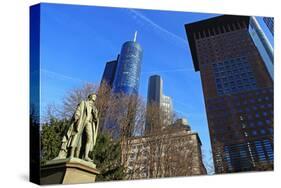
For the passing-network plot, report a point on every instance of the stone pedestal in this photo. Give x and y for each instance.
(68, 171)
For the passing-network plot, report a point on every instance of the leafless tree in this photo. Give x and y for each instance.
(164, 151)
(74, 96)
(208, 161)
(124, 112)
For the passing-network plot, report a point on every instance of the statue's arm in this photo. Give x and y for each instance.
(78, 111)
(78, 114)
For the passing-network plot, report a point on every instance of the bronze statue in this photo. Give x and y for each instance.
(82, 132)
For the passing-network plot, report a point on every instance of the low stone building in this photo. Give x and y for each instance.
(174, 151)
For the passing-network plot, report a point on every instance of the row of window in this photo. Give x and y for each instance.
(245, 155)
(218, 31)
(257, 92)
(233, 76)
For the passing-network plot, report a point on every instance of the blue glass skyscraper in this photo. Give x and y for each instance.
(262, 44)
(269, 21)
(123, 76)
(128, 68)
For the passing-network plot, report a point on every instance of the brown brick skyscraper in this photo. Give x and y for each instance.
(238, 93)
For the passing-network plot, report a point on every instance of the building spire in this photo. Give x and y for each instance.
(135, 37)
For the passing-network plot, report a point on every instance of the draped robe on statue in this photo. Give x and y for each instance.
(85, 118)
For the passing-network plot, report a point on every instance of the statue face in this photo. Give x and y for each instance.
(93, 97)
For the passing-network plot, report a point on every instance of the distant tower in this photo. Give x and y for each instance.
(238, 91)
(109, 72)
(155, 87)
(154, 95)
(128, 68)
(156, 98)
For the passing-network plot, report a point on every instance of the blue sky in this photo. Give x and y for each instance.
(77, 41)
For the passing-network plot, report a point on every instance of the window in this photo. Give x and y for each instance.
(262, 131)
(269, 105)
(267, 98)
(267, 121)
(252, 100)
(260, 123)
(251, 124)
(268, 149)
(260, 151)
(235, 74)
(250, 117)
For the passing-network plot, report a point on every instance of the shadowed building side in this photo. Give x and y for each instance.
(155, 87)
(109, 72)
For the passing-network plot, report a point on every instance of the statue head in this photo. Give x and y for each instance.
(92, 97)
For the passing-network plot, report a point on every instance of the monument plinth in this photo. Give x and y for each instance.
(73, 165)
(68, 171)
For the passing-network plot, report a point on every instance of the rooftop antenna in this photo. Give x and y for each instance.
(135, 37)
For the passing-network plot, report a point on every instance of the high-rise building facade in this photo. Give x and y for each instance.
(238, 93)
(157, 99)
(155, 89)
(269, 21)
(109, 72)
(128, 69)
(167, 109)
(123, 76)
(262, 44)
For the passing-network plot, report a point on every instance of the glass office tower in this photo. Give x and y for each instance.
(263, 45)
(128, 69)
(155, 89)
(238, 93)
(269, 21)
(167, 109)
(126, 73)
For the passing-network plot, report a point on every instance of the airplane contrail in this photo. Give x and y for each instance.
(158, 27)
(62, 76)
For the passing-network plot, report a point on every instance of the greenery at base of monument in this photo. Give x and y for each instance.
(107, 156)
(107, 153)
(51, 136)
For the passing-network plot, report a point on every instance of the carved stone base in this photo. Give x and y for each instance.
(68, 171)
